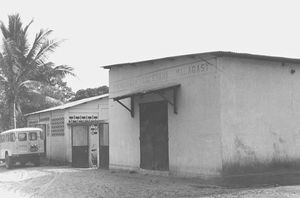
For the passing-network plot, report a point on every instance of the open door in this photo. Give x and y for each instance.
(80, 148)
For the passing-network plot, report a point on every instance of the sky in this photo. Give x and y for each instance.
(100, 33)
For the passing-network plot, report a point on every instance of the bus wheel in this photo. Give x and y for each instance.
(36, 161)
(8, 161)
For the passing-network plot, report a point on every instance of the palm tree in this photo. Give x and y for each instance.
(25, 68)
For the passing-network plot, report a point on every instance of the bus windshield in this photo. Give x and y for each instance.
(32, 136)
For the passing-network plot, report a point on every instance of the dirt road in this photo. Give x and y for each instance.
(70, 182)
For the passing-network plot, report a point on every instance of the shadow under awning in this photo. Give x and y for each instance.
(158, 90)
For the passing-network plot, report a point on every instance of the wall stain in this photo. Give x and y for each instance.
(242, 150)
(245, 159)
(281, 140)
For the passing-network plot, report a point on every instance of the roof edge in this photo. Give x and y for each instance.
(218, 54)
(69, 104)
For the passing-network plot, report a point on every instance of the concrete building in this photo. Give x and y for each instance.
(76, 132)
(205, 114)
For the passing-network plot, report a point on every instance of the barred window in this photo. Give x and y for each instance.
(58, 126)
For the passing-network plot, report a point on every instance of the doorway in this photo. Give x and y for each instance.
(43, 136)
(104, 145)
(154, 145)
(80, 148)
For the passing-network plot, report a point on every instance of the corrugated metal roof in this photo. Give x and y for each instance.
(21, 129)
(70, 104)
(218, 54)
(149, 90)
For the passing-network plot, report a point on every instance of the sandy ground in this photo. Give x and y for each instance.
(62, 181)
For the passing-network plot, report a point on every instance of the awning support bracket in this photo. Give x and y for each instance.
(174, 103)
(160, 92)
(131, 109)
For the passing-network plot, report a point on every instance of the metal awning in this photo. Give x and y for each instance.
(159, 91)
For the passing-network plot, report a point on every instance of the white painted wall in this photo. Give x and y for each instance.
(59, 147)
(194, 133)
(97, 107)
(57, 143)
(260, 111)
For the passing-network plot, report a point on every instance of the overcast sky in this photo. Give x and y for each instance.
(108, 32)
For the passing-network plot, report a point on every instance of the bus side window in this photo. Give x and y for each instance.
(22, 136)
(12, 137)
(1, 138)
(6, 137)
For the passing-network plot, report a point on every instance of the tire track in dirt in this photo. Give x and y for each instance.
(42, 189)
(19, 182)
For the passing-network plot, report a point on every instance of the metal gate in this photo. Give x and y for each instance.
(154, 136)
(80, 148)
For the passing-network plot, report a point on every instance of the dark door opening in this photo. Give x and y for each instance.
(80, 148)
(43, 135)
(104, 145)
(154, 145)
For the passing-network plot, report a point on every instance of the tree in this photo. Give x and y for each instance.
(24, 68)
(90, 92)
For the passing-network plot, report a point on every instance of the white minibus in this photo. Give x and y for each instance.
(21, 145)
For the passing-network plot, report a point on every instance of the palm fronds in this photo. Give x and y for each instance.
(38, 41)
(47, 47)
(25, 68)
(63, 70)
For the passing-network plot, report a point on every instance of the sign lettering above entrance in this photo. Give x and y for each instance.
(192, 69)
(163, 75)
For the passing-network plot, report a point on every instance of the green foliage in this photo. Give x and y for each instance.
(90, 92)
(27, 78)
